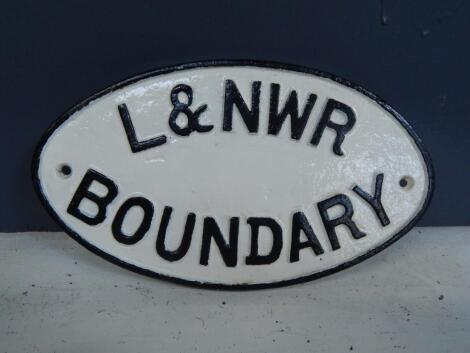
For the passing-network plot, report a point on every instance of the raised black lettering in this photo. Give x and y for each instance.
(136, 145)
(101, 202)
(291, 108)
(375, 201)
(233, 97)
(192, 118)
(174, 255)
(255, 258)
(144, 226)
(340, 130)
(300, 223)
(228, 251)
(345, 218)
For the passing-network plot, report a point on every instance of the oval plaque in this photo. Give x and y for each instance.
(234, 174)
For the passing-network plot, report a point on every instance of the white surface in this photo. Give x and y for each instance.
(413, 297)
(235, 174)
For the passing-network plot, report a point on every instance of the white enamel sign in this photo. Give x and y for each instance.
(234, 174)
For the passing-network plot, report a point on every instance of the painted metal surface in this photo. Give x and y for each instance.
(218, 174)
(55, 296)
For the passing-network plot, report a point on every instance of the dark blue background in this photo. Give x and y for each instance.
(414, 54)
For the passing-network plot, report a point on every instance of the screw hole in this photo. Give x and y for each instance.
(403, 183)
(64, 170)
(406, 182)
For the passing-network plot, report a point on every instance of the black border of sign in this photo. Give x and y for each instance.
(225, 63)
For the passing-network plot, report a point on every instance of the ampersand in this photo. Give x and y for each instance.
(192, 123)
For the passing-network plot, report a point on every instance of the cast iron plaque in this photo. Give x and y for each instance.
(234, 174)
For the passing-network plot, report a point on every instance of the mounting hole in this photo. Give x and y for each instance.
(406, 182)
(64, 170)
